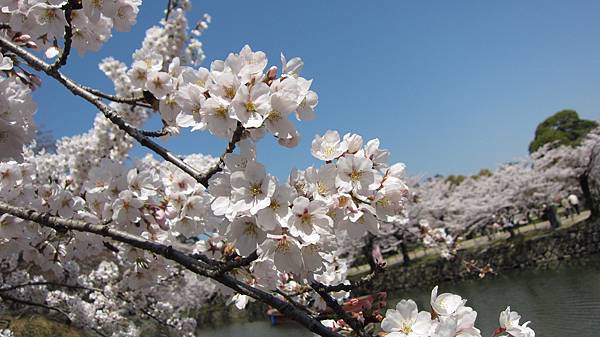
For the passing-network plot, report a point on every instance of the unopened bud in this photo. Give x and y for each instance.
(21, 38)
(272, 73)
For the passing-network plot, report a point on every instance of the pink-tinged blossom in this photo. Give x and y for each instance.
(355, 173)
(308, 219)
(246, 235)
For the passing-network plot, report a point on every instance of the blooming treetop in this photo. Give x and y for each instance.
(88, 230)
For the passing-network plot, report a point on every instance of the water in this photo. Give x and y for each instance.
(560, 303)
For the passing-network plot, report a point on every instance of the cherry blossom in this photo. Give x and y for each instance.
(406, 320)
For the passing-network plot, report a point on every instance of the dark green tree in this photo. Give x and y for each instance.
(564, 127)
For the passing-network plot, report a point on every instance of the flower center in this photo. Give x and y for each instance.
(283, 246)
(274, 116)
(255, 189)
(229, 92)
(321, 188)
(157, 83)
(250, 106)
(343, 200)
(250, 228)
(306, 218)
(221, 111)
(329, 151)
(274, 204)
(406, 328)
(356, 175)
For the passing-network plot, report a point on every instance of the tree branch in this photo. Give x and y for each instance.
(294, 302)
(338, 310)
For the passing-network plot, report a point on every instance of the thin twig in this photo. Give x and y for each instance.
(218, 167)
(68, 37)
(356, 325)
(135, 101)
(238, 263)
(34, 304)
(295, 303)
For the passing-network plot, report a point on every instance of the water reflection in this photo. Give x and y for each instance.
(563, 302)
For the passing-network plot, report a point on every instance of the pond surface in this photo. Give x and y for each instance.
(560, 303)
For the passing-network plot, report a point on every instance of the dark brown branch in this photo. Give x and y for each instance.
(238, 263)
(68, 37)
(218, 167)
(34, 304)
(356, 325)
(169, 9)
(135, 101)
(52, 284)
(158, 133)
(295, 303)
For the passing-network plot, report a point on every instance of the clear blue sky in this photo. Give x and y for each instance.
(448, 86)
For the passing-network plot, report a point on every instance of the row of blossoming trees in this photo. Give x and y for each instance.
(440, 209)
(98, 241)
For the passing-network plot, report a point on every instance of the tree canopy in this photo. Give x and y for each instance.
(563, 128)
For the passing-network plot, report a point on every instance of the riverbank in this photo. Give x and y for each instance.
(534, 248)
(562, 301)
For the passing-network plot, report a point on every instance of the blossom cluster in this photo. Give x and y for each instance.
(232, 91)
(44, 22)
(297, 224)
(16, 112)
(449, 317)
(106, 304)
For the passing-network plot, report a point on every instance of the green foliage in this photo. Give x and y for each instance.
(564, 127)
(455, 180)
(482, 173)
